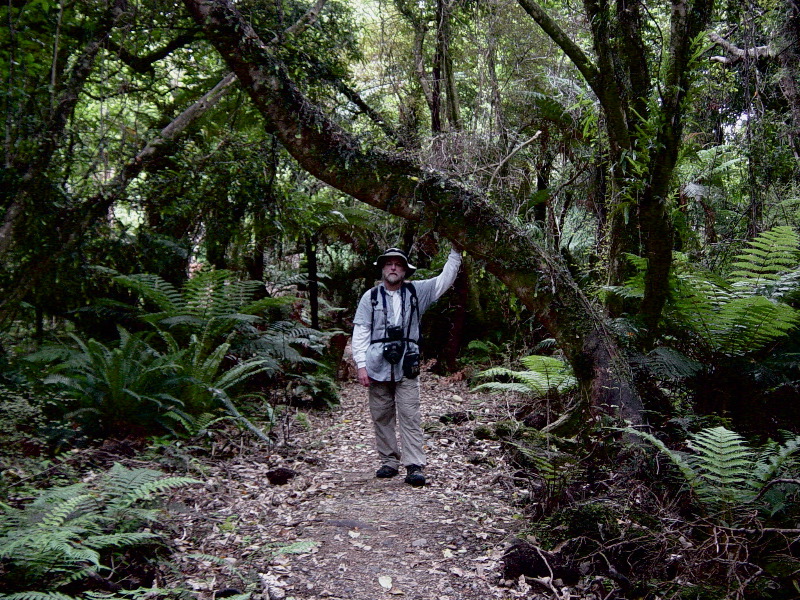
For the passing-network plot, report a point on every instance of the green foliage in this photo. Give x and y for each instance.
(68, 533)
(115, 387)
(667, 364)
(723, 472)
(544, 374)
(766, 258)
(210, 305)
(738, 315)
(213, 308)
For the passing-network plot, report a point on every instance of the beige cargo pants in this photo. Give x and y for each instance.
(395, 405)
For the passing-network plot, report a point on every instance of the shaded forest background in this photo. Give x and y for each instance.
(193, 196)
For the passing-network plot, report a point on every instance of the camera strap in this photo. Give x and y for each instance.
(414, 308)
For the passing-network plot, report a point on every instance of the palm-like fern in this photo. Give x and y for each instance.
(210, 305)
(219, 332)
(67, 533)
(214, 308)
(116, 385)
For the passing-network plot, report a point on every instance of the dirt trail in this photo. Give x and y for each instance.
(334, 531)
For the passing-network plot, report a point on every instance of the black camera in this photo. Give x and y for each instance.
(394, 332)
(393, 352)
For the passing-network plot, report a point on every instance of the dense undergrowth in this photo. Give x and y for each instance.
(702, 504)
(685, 515)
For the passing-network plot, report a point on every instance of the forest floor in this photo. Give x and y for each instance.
(334, 531)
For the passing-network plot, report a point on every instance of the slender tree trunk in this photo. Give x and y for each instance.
(443, 64)
(313, 278)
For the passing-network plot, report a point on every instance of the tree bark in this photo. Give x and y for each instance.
(398, 186)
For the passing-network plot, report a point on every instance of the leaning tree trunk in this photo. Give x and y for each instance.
(394, 184)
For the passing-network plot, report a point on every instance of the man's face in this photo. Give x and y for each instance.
(394, 271)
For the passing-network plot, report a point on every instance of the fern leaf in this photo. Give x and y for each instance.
(66, 509)
(771, 253)
(37, 596)
(498, 386)
(722, 457)
(668, 364)
(117, 540)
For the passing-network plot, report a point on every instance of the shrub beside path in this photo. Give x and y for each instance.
(334, 531)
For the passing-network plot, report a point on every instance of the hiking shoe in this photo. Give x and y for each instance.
(414, 476)
(385, 472)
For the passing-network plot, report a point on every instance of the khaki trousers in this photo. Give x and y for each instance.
(396, 405)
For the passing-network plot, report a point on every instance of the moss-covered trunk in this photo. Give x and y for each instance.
(394, 184)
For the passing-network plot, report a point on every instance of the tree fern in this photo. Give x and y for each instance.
(765, 258)
(723, 471)
(667, 364)
(544, 374)
(742, 313)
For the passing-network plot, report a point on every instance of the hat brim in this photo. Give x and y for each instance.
(410, 269)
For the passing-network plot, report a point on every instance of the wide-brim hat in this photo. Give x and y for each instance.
(395, 253)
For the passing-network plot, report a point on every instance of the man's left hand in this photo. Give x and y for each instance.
(363, 378)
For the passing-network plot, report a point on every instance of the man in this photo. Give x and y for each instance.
(386, 352)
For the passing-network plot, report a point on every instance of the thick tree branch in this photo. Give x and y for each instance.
(396, 185)
(95, 207)
(144, 64)
(736, 53)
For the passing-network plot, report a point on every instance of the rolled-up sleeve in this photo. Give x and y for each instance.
(362, 331)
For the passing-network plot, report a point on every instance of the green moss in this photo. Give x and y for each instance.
(506, 429)
(484, 432)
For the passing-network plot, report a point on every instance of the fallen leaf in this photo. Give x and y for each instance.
(385, 581)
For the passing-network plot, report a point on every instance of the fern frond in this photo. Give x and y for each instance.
(131, 485)
(767, 256)
(66, 509)
(773, 459)
(667, 364)
(545, 374)
(153, 288)
(116, 540)
(722, 457)
(499, 386)
(37, 596)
